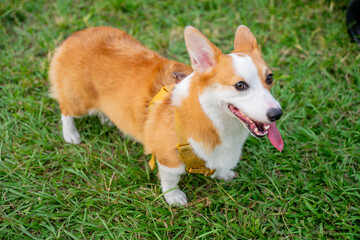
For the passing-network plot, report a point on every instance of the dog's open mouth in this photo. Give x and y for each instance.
(258, 129)
(255, 128)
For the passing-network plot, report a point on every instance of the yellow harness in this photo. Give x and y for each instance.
(193, 163)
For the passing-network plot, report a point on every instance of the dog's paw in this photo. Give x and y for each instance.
(225, 175)
(175, 197)
(72, 136)
(105, 120)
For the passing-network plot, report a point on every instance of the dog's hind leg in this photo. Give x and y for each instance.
(73, 106)
(70, 133)
(105, 120)
(169, 178)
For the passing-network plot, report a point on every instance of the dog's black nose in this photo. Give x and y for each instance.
(274, 114)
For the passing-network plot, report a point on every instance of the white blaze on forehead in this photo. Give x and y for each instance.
(244, 67)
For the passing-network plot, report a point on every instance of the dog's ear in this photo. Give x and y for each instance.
(203, 53)
(245, 41)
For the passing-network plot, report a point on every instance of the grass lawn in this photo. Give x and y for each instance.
(103, 189)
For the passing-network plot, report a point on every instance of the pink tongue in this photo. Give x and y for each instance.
(275, 137)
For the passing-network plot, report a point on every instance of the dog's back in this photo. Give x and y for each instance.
(105, 69)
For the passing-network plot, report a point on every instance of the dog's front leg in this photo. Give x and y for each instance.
(169, 178)
(224, 174)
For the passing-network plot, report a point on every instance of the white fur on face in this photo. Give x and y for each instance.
(257, 100)
(214, 100)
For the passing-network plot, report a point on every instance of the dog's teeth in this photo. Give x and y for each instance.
(267, 127)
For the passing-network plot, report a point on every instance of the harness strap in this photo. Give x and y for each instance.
(162, 93)
(192, 162)
(158, 97)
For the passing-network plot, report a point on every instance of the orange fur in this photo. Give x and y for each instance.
(246, 43)
(107, 70)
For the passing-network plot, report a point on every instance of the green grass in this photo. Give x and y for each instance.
(103, 189)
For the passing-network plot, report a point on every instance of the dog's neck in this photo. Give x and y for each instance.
(196, 124)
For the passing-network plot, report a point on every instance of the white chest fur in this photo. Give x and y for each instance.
(226, 155)
(233, 134)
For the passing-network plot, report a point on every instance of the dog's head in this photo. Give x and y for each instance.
(238, 83)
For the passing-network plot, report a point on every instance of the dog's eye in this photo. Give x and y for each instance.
(269, 78)
(241, 86)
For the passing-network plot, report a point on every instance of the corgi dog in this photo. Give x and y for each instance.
(219, 100)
